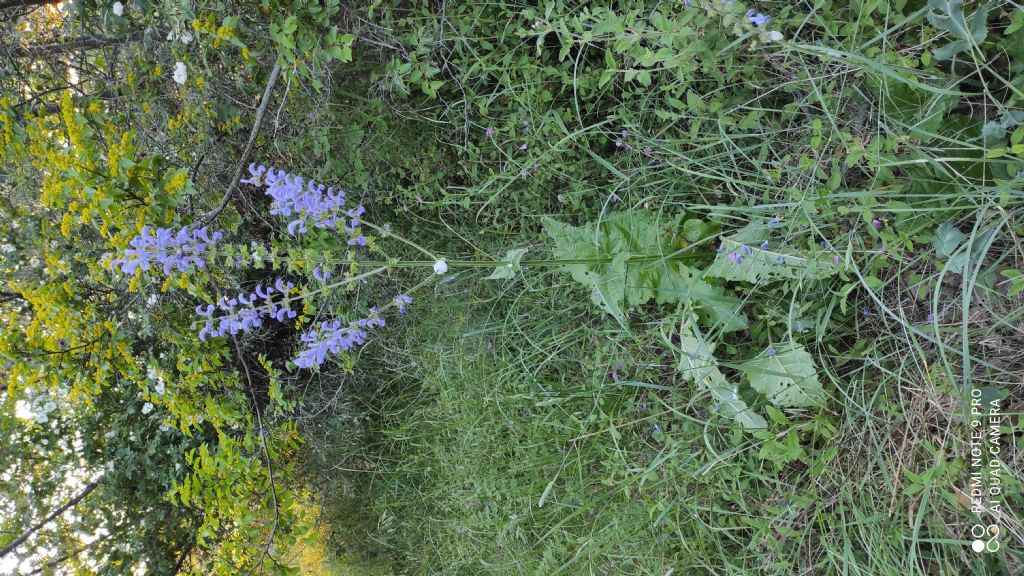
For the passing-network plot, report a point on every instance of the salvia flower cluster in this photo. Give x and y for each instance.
(164, 248)
(306, 202)
(246, 312)
(334, 338)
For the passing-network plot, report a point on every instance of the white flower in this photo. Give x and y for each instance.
(440, 267)
(183, 37)
(160, 388)
(147, 407)
(7, 248)
(180, 75)
(151, 301)
(34, 262)
(117, 9)
(775, 36)
(42, 418)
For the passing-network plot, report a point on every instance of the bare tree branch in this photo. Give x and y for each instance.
(260, 112)
(32, 530)
(74, 45)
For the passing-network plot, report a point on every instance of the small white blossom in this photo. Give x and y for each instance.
(440, 267)
(180, 74)
(117, 9)
(147, 407)
(34, 262)
(775, 36)
(183, 37)
(7, 248)
(151, 301)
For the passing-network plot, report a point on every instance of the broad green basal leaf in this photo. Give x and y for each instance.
(786, 376)
(737, 261)
(629, 259)
(603, 274)
(697, 364)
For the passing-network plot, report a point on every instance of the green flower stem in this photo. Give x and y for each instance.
(400, 238)
(493, 263)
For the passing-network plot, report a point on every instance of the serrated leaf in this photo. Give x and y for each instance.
(510, 265)
(652, 271)
(947, 238)
(737, 261)
(605, 280)
(788, 378)
(698, 365)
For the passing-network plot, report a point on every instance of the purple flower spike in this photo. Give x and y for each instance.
(522, 146)
(735, 258)
(771, 351)
(331, 339)
(166, 248)
(311, 201)
(764, 245)
(876, 223)
(748, 250)
(489, 132)
(835, 259)
(205, 311)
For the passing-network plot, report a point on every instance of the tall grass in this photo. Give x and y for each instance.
(511, 428)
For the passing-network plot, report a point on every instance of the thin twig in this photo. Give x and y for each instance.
(260, 112)
(266, 453)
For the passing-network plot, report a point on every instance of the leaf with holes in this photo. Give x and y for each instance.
(786, 376)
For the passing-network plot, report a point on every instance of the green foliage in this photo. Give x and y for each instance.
(697, 364)
(786, 376)
(696, 411)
